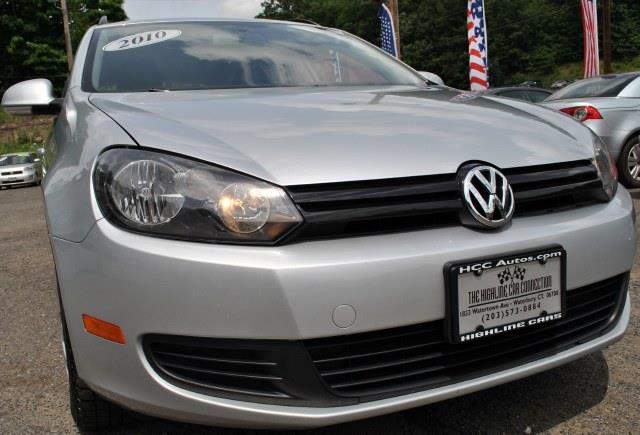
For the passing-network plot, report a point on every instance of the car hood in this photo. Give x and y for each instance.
(304, 136)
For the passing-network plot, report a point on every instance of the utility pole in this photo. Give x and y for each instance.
(606, 35)
(67, 33)
(393, 7)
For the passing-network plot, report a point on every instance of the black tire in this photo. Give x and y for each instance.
(90, 411)
(626, 159)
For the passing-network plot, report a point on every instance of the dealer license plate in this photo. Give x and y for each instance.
(489, 297)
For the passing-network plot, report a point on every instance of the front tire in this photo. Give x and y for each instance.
(89, 411)
(629, 164)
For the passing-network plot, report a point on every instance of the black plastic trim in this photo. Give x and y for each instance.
(354, 208)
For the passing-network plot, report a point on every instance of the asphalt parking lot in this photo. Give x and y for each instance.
(597, 394)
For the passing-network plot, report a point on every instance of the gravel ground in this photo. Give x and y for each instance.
(597, 394)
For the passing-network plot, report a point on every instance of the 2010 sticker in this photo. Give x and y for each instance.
(142, 39)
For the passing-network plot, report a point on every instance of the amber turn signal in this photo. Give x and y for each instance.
(103, 329)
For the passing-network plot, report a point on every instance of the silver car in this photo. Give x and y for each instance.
(20, 169)
(276, 225)
(610, 106)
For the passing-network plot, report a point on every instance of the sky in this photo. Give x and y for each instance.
(140, 9)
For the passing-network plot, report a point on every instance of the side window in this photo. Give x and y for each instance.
(632, 90)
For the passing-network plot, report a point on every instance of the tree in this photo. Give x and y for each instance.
(528, 39)
(32, 41)
(85, 13)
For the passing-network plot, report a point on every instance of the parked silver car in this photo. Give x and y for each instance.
(524, 93)
(610, 106)
(277, 225)
(19, 169)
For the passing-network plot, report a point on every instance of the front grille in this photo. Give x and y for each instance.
(396, 361)
(11, 173)
(404, 204)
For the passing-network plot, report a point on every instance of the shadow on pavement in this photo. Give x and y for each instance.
(529, 405)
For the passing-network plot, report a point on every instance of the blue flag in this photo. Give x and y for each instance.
(387, 31)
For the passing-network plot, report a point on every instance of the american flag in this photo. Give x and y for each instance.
(387, 31)
(478, 52)
(590, 28)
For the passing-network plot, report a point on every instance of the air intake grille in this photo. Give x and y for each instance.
(224, 368)
(391, 362)
(269, 371)
(403, 204)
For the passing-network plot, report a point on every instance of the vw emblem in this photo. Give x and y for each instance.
(488, 196)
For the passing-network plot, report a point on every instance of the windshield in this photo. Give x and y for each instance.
(15, 160)
(218, 55)
(603, 86)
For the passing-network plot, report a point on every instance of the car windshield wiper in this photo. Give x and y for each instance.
(158, 90)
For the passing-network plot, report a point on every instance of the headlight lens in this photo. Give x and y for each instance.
(170, 196)
(144, 191)
(606, 167)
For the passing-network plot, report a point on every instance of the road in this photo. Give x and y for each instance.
(597, 394)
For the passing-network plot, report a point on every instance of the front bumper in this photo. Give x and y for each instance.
(149, 285)
(18, 179)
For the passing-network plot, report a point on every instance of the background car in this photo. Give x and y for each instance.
(609, 105)
(20, 169)
(525, 93)
(559, 84)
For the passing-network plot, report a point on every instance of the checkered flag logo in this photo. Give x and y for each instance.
(505, 276)
(518, 273)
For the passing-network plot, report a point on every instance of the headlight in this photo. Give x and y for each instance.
(170, 196)
(606, 167)
(28, 169)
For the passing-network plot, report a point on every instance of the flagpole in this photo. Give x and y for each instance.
(486, 42)
(393, 8)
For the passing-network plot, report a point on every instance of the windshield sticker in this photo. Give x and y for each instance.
(141, 39)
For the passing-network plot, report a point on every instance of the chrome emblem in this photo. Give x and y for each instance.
(488, 196)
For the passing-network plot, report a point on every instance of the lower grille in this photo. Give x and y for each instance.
(354, 368)
(266, 371)
(391, 362)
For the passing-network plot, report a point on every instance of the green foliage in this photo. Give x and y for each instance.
(528, 39)
(24, 137)
(5, 117)
(85, 13)
(32, 38)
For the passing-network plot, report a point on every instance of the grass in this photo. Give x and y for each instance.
(5, 118)
(25, 140)
(18, 133)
